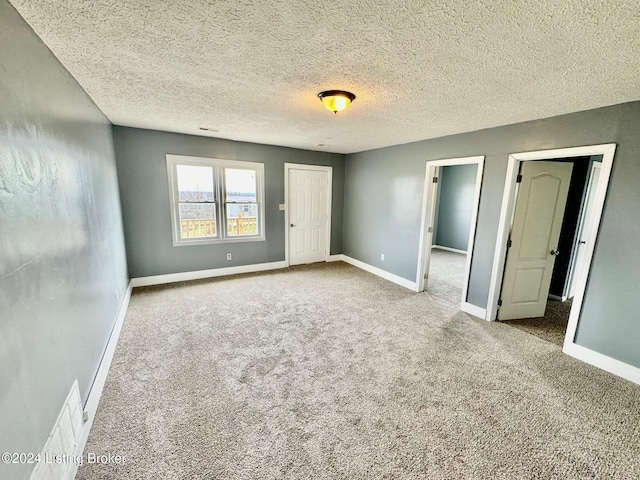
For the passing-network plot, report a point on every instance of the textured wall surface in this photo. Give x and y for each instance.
(456, 187)
(61, 244)
(383, 198)
(419, 69)
(142, 170)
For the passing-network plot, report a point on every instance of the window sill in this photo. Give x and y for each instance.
(217, 241)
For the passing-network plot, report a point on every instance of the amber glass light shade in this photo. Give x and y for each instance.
(336, 100)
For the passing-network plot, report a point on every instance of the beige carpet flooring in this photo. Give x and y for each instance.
(446, 275)
(552, 327)
(328, 372)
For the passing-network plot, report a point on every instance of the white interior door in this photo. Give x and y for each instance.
(308, 218)
(537, 220)
(585, 225)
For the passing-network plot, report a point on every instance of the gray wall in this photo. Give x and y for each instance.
(144, 191)
(456, 186)
(610, 321)
(383, 198)
(61, 244)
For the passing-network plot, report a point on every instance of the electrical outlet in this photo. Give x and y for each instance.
(382, 257)
(228, 256)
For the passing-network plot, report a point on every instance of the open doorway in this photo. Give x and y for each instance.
(450, 207)
(551, 211)
(556, 224)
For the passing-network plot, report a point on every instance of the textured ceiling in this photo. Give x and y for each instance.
(420, 69)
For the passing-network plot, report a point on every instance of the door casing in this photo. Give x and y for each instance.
(506, 213)
(428, 209)
(320, 168)
(583, 228)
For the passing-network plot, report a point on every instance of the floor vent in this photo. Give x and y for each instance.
(57, 454)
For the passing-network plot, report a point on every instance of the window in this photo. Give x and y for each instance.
(215, 201)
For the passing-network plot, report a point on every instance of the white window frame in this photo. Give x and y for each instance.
(219, 191)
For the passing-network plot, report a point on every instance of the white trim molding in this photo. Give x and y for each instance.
(465, 306)
(608, 364)
(506, 212)
(218, 179)
(99, 381)
(335, 258)
(474, 310)
(557, 298)
(571, 348)
(448, 249)
(428, 212)
(200, 274)
(380, 273)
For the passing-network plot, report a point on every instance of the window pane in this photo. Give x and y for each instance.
(240, 185)
(195, 184)
(242, 219)
(197, 220)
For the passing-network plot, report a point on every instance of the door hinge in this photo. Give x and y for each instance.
(435, 180)
(426, 275)
(430, 230)
(509, 243)
(500, 302)
(519, 179)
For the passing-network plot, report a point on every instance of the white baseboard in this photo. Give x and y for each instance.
(91, 406)
(335, 258)
(603, 362)
(557, 298)
(465, 307)
(474, 310)
(380, 273)
(199, 274)
(449, 249)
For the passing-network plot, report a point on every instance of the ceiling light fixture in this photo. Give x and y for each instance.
(336, 100)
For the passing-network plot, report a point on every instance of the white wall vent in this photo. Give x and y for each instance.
(57, 455)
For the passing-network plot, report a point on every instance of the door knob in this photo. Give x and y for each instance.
(555, 253)
(293, 225)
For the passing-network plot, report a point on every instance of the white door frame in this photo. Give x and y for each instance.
(319, 168)
(572, 276)
(428, 209)
(508, 202)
